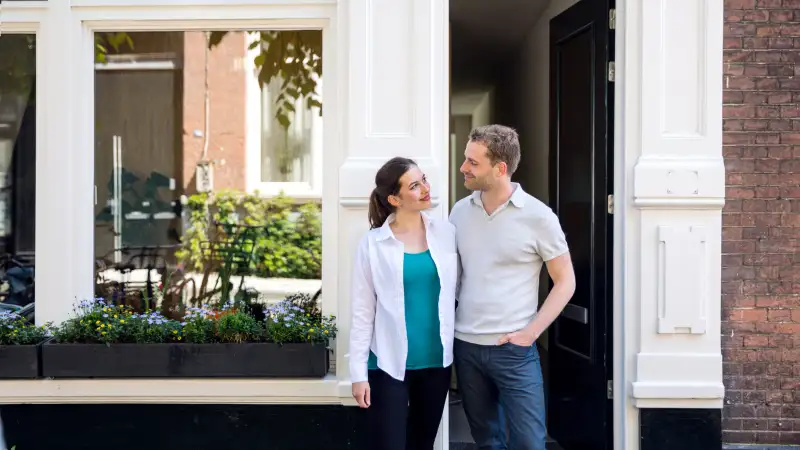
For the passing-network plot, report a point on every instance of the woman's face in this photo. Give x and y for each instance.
(415, 192)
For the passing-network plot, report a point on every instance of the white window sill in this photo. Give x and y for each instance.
(301, 192)
(328, 390)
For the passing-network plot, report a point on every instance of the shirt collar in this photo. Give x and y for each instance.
(517, 196)
(385, 231)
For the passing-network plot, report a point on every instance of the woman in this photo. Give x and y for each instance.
(403, 307)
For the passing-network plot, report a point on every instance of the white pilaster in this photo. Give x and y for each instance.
(673, 139)
(56, 168)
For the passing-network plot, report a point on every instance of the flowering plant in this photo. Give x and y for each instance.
(293, 320)
(15, 330)
(96, 321)
(297, 319)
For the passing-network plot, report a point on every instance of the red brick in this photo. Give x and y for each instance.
(761, 222)
(779, 97)
(779, 43)
(755, 42)
(756, 341)
(781, 16)
(731, 97)
(760, 30)
(227, 93)
(739, 4)
(732, 42)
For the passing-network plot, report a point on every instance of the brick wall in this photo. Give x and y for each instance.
(226, 88)
(761, 222)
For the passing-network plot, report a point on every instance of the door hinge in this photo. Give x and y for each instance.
(610, 204)
(612, 73)
(612, 19)
(610, 389)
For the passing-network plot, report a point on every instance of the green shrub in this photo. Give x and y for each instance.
(286, 243)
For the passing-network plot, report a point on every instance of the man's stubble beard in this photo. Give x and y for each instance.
(478, 185)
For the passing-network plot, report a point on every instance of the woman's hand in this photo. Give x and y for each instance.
(361, 393)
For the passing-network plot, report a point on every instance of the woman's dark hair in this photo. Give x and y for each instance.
(387, 182)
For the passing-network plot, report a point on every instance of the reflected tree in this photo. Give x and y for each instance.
(295, 58)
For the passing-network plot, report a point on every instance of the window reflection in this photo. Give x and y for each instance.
(17, 172)
(177, 223)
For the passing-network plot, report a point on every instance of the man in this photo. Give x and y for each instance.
(504, 237)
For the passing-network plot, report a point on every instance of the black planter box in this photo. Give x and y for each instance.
(19, 361)
(184, 360)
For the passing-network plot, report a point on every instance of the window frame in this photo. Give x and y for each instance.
(65, 181)
(302, 191)
(25, 18)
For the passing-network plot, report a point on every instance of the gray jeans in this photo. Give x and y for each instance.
(503, 395)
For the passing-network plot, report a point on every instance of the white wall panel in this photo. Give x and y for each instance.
(674, 137)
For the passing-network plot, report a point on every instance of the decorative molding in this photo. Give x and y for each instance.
(668, 182)
(362, 203)
(176, 391)
(357, 176)
(389, 70)
(21, 17)
(682, 276)
(193, 3)
(681, 76)
(682, 92)
(679, 375)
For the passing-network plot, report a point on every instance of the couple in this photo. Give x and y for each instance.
(407, 329)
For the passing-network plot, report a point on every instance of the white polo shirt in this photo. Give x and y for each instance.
(501, 258)
(377, 307)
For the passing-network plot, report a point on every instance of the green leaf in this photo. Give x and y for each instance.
(313, 103)
(215, 38)
(283, 120)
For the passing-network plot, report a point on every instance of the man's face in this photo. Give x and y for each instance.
(479, 173)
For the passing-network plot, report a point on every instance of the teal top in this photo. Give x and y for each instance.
(421, 285)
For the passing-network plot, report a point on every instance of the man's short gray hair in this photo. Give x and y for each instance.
(502, 142)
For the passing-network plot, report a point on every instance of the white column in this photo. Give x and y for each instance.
(58, 210)
(673, 140)
(394, 76)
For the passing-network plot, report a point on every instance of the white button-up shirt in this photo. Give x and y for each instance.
(378, 297)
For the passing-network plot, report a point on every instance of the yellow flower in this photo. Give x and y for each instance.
(104, 332)
(97, 323)
(174, 331)
(102, 325)
(326, 331)
(179, 338)
(122, 321)
(310, 330)
(116, 315)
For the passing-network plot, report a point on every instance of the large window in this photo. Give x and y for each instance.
(17, 172)
(176, 217)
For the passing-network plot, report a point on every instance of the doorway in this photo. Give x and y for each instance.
(542, 67)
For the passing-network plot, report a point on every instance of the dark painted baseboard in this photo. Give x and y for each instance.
(684, 429)
(759, 447)
(183, 427)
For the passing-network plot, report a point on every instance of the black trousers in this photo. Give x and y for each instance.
(405, 415)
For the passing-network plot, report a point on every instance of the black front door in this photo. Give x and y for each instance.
(579, 409)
